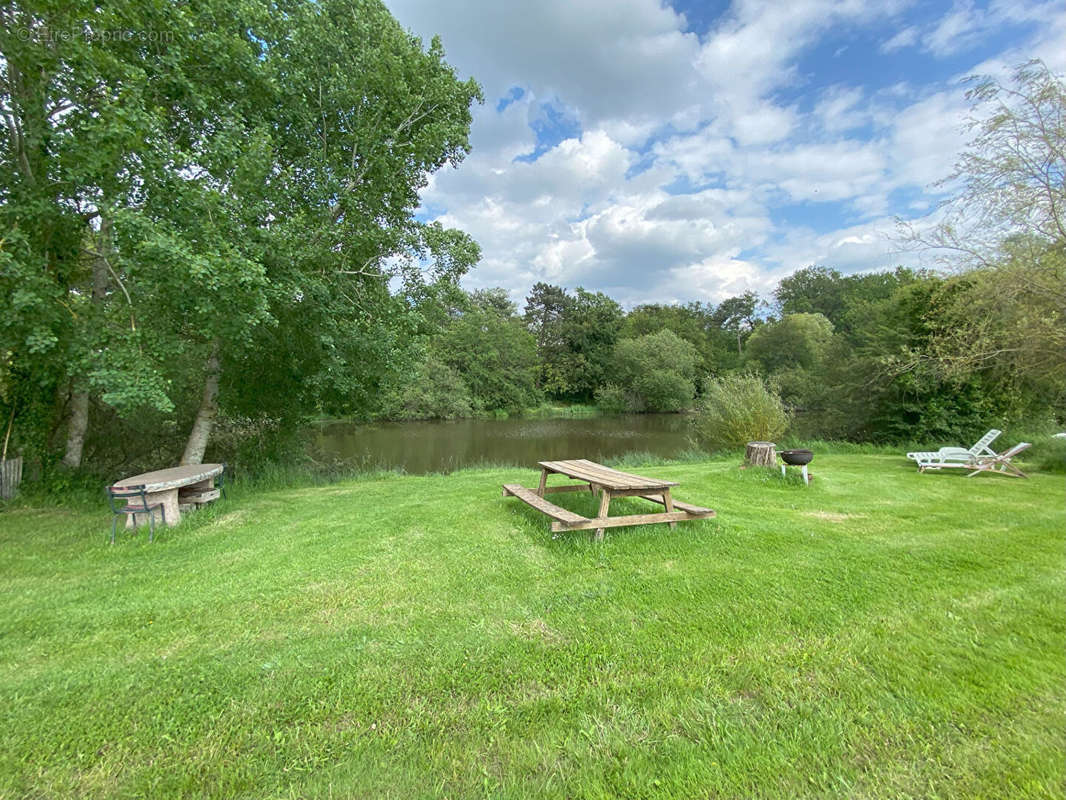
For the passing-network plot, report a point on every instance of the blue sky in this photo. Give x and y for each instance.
(692, 151)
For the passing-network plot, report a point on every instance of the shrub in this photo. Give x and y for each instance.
(656, 371)
(736, 409)
(611, 399)
(1049, 455)
(664, 390)
(436, 391)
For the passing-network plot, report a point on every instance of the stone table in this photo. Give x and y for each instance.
(162, 486)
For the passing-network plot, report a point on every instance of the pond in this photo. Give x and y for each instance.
(439, 446)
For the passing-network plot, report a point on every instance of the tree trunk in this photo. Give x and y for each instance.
(78, 424)
(76, 427)
(205, 417)
(761, 454)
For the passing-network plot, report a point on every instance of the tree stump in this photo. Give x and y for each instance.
(761, 454)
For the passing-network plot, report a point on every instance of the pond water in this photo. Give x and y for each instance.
(438, 446)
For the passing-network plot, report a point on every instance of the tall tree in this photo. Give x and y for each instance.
(1011, 174)
(739, 316)
(545, 310)
(493, 352)
(812, 290)
(1007, 224)
(220, 209)
(693, 322)
(591, 327)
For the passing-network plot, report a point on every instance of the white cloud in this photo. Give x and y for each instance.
(906, 37)
(692, 177)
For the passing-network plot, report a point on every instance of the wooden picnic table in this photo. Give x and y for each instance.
(176, 487)
(609, 483)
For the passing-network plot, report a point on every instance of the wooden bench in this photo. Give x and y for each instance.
(688, 508)
(191, 499)
(529, 497)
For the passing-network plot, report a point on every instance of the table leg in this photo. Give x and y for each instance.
(169, 499)
(668, 501)
(543, 482)
(605, 502)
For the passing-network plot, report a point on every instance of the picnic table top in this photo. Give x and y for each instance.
(172, 478)
(584, 470)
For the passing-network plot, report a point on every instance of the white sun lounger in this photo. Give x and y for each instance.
(1001, 463)
(955, 456)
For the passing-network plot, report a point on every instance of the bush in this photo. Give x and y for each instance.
(436, 391)
(1048, 455)
(656, 371)
(664, 390)
(736, 409)
(611, 399)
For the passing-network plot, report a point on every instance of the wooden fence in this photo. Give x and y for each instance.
(10, 477)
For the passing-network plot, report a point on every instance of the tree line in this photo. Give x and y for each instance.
(208, 236)
(879, 356)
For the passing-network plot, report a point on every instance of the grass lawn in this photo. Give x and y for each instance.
(878, 634)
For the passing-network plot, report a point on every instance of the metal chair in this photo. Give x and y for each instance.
(128, 493)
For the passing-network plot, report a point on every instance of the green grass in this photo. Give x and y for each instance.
(878, 634)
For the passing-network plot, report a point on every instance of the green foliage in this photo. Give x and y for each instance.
(739, 316)
(813, 290)
(243, 181)
(735, 409)
(796, 340)
(693, 322)
(1006, 324)
(612, 399)
(1010, 181)
(545, 310)
(493, 353)
(590, 328)
(656, 371)
(435, 391)
(842, 299)
(1048, 454)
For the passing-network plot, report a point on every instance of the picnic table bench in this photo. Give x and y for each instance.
(611, 483)
(177, 488)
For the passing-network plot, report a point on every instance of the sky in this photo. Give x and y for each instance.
(681, 151)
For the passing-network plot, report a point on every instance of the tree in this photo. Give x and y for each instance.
(590, 328)
(546, 309)
(839, 298)
(1005, 229)
(216, 213)
(813, 290)
(435, 391)
(738, 316)
(493, 352)
(1007, 322)
(796, 340)
(692, 322)
(657, 371)
(1011, 175)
